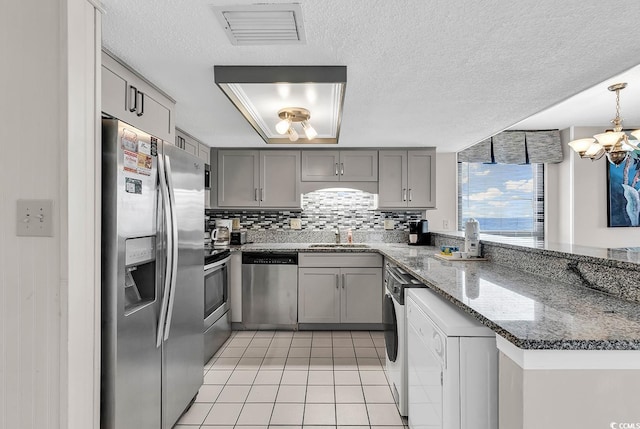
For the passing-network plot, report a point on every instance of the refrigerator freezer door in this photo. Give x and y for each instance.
(131, 362)
(184, 346)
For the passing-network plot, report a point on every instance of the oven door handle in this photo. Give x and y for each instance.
(216, 266)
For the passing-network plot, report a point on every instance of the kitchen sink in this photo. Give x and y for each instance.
(341, 245)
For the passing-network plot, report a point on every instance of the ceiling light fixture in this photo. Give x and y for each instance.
(613, 143)
(290, 115)
(259, 91)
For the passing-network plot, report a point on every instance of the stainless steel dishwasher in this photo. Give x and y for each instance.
(269, 290)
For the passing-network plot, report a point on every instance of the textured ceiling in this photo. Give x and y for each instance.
(419, 73)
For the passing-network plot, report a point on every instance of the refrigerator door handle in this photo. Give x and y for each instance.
(174, 249)
(169, 254)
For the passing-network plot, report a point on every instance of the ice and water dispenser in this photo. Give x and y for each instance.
(140, 273)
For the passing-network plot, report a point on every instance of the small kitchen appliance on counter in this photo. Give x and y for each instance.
(222, 232)
(238, 237)
(471, 238)
(419, 233)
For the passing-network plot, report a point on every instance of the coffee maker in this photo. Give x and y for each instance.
(419, 233)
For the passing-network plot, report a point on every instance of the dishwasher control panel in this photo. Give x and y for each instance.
(269, 258)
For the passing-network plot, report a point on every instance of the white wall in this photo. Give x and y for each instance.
(579, 207)
(446, 193)
(37, 272)
(30, 167)
(558, 192)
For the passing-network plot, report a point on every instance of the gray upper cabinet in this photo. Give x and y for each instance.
(336, 166)
(128, 97)
(421, 178)
(238, 178)
(204, 153)
(186, 142)
(190, 144)
(279, 184)
(407, 179)
(393, 178)
(252, 178)
(320, 165)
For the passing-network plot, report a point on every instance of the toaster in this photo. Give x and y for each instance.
(238, 237)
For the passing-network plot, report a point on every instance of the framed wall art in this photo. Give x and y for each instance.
(623, 184)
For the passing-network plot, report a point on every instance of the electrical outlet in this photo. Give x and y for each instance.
(388, 224)
(296, 224)
(445, 224)
(34, 218)
(235, 223)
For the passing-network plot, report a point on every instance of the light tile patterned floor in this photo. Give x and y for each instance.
(290, 380)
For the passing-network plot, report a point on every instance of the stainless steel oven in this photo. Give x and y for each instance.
(217, 317)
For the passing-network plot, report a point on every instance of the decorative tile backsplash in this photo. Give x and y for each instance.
(323, 210)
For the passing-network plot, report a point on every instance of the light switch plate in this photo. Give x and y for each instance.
(34, 218)
(296, 224)
(388, 224)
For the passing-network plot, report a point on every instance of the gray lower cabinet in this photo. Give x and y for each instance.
(318, 295)
(339, 166)
(254, 178)
(360, 295)
(407, 179)
(342, 293)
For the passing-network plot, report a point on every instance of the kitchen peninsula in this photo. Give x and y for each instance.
(569, 355)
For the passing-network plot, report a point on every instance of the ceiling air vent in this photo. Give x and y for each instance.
(262, 24)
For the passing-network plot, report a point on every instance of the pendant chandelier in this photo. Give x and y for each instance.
(615, 144)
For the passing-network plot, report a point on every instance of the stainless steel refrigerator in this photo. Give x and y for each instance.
(152, 279)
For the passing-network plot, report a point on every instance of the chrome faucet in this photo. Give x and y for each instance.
(337, 232)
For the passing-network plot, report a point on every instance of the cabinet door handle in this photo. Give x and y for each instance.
(261, 194)
(133, 98)
(404, 194)
(255, 194)
(410, 195)
(337, 282)
(336, 168)
(343, 281)
(342, 168)
(140, 111)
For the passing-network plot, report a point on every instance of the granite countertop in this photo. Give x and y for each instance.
(530, 311)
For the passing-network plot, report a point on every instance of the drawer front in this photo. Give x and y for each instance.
(340, 260)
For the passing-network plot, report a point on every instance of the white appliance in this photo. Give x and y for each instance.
(453, 366)
(395, 333)
(472, 238)
(152, 283)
